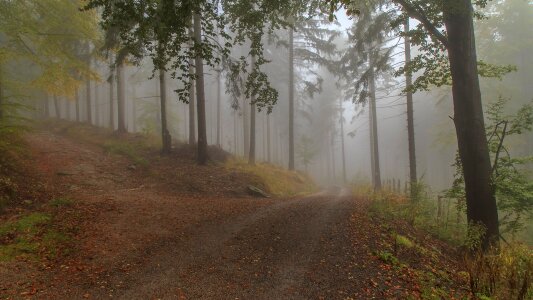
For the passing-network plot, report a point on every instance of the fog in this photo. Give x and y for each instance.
(317, 118)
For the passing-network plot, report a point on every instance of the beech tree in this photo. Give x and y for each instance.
(449, 56)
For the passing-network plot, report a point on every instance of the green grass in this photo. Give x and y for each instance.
(404, 241)
(29, 236)
(131, 151)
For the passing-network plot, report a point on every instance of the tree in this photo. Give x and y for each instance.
(251, 156)
(200, 96)
(311, 43)
(33, 35)
(410, 114)
(364, 62)
(460, 69)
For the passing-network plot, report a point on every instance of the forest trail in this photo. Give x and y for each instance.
(139, 240)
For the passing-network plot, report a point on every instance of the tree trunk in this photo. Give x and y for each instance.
(200, 96)
(192, 118)
(269, 159)
(371, 143)
(333, 162)
(67, 109)
(342, 142)
(219, 125)
(245, 127)
(410, 117)
(291, 99)
(111, 100)
(88, 101)
(121, 95)
(375, 142)
(47, 106)
(165, 135)
(468, 119)
(57, 108)
(77, 104)
(251, 157)
(235, 149)
(1, 95)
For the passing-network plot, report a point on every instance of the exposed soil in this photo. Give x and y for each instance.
(137, 238)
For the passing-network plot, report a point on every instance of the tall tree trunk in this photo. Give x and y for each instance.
(1, 94)
(235, 149)
(481, 208)
(219, 121)
(371, 143)
(165, 135)
(121, 95)
(111, 99)
(372, 88)
(192, 118)
(333, 162)
(245, 127)
(269, 158)
(57, 108)
(251, 157)
(77, 99)
(410, 117)
(342, 142)
(67, 109)
(47, 106)
(291, 99)
(88, 88)
(96, 105)
(200, 96)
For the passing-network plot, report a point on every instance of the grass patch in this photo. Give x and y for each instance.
(126, 149)
(277, 181)
(387, 257)
(404, 241)
(29, 236)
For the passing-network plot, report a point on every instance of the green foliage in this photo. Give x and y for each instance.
(160, 30)
(305, 150)
(404, 241)
(34, 33)
(512, 185)
(387, 258)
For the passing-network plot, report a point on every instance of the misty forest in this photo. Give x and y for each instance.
(267, 149)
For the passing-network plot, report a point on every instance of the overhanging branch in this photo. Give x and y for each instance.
(415, 13)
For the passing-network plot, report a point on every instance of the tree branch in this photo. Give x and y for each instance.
(500, 145)
(415, 13)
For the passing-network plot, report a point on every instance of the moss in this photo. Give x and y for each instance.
(29, 236)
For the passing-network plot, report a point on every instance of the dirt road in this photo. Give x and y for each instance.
(142, 241)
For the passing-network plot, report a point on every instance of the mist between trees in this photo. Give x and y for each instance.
(293, 83)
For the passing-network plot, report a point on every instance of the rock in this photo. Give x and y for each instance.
(257, 192)
(132, 167)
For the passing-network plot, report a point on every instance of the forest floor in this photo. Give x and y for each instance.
(130, 234)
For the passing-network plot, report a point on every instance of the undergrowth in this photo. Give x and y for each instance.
(278, 181)
(503, 273)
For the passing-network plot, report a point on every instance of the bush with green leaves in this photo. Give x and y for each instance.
(512, 184)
